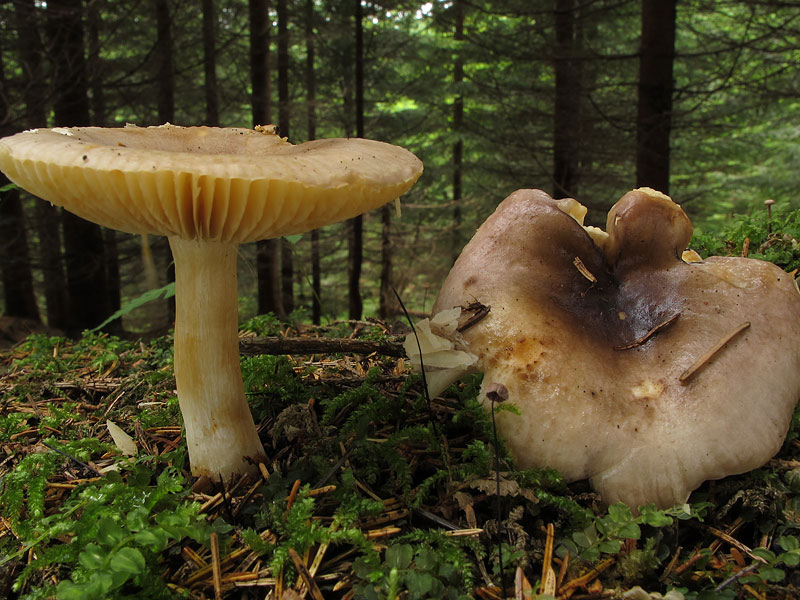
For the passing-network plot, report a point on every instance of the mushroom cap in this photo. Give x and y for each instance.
(222, 184)
(595, 345)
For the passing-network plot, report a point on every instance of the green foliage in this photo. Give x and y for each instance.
(22, 491)
(605, 534)
(775, 564)
(48, 354)
(774, 239)
(296, 529)
(117, 528)
(263, 325)
(165, 415)
(163, 293)
(423, 565)
(271, 383)
(364, 404)
(12, 423)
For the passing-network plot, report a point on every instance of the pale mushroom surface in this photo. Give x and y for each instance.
(222, 184)
(596, 346)
(208, 190)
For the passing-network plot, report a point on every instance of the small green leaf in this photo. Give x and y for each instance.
(767, 555)
(581, 540)
(127, 560)
(362, 568)
(92, 556)
(653, 517)
(425, 559)
(66, 590)
(771, 574)
(620, 513)
(109, 533)
(8, 187)
(630, 531)
(155, 537)
(293, 239)
(399, 556)
(610, 546)
(419, 584)
(789, 542)
(137, 519)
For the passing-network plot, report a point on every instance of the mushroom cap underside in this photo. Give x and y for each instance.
(596, 346)
(223, 184)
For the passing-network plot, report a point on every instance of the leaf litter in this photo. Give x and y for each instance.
(368, 492)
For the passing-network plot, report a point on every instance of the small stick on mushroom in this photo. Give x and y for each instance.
(703, 360)
(583, 270)
(649, 334)
(479, 311)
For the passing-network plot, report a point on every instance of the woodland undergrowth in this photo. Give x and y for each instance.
(371, 490)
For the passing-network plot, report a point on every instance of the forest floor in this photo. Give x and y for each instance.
(369, 492)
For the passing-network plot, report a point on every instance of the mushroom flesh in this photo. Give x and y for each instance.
(631, 367)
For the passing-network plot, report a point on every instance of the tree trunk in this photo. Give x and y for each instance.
(165, 98)
(98, 106)
(654, 119)
(284, 114)
(165, 68)
(267, 256)
(259, 62)
(31, 53)
(114, 285)
(96, 67)
(458, 124)
(269, 277)
(387, 302)
(20, 300)
(210, 63)
(311, 99)
(83, 241)
(15, 264)
(567, 118)
(355, 226)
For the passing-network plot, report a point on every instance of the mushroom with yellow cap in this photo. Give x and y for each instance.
(631, 367)
(208, 190)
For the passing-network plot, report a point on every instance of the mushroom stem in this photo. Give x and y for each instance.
(220, 433)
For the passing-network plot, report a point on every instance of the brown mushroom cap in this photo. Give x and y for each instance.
(610, 352)
(222, 184)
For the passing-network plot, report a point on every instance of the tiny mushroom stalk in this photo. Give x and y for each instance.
(208, 190)
(640, 367)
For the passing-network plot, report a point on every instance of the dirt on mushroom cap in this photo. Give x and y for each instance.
(221, 184)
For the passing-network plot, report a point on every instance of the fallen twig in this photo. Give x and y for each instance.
(302, 345)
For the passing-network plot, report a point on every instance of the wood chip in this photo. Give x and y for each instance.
(216, 568)
(463, 532)
(649, 334)
(548, 585)
(307, 578)
(586, 578)
(583, 270)
(703, 360)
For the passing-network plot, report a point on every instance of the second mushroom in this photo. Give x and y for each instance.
(631, 367)
(208, 190)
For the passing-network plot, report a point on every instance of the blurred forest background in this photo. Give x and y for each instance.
(582, 98)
